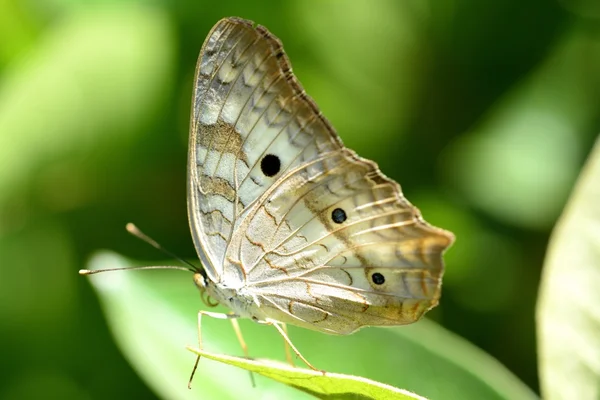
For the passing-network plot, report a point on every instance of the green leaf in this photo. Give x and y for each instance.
(324, 385)
(153, 316)
(568, 309)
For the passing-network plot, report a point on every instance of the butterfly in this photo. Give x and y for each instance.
(292, 227)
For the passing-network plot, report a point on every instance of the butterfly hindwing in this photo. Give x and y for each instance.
(334, 246)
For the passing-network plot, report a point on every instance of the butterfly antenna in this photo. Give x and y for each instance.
(96, 271)
(135, 231)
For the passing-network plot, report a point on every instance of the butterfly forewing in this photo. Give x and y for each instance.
(311, 233)
(251, 122)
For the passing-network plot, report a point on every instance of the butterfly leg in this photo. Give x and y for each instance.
(240, 338)
(238, 333)
(289, 342)
(213, 315)
(288, 354)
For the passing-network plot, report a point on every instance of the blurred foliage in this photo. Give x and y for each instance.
(483, 111)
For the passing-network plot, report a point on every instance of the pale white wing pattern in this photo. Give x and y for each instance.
(246, 107)
(333, 246)
(321, 238)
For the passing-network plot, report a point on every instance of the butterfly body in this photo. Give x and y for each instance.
(290, 225)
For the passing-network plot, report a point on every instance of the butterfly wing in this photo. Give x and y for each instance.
(334, 246)
(314, 234)
(251, 122)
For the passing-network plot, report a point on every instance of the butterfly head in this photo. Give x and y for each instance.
(201, 281)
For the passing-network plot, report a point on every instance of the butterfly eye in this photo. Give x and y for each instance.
(378, 279)
(338, 216)
(270, 165)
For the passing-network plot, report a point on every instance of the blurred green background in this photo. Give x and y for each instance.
(483, 111)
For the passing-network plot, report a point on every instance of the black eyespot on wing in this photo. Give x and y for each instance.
(338, 216)
(270, 165)
(378, 278)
